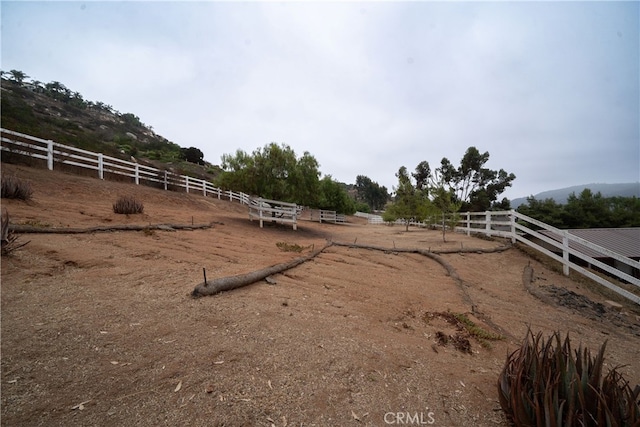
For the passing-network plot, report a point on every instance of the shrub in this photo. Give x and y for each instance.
(128, 205)
(15, 188)
(543, 384)
(289, 247)
(8, 240)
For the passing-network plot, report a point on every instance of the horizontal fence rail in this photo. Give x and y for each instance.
(558, 244)
(274, 211)
(322, 215)
(54, 153)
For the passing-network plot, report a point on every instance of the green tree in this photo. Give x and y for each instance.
(192, 155)
(334, 197)
(445, 205)
(547, 211)
(57, 90)
(18, 76)
(586, 211)
(471, 183)
(133, 120)
(409, 204)
(273, 172)
(422, 175)
(38, 86)
(371, 193)
(624, 211)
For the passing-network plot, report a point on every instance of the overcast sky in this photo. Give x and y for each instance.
(551, 90)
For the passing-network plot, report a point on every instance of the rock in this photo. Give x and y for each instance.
(132, 136)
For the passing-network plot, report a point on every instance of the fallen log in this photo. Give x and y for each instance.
(427, 252)
(222, 284)
(17, 228)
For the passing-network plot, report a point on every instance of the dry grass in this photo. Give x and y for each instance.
(128, 205)
(15, 188)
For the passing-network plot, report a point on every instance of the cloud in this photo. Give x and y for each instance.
(549, 89)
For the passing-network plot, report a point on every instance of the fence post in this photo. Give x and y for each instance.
(512, 216)
(565, 253)
(468, 223)
(137, 174)
(165, 181)
(100, 165)
(204, 188)
(187, 179)
(487, 226)
(50, 154)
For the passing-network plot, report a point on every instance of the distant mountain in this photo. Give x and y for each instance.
(561, 195)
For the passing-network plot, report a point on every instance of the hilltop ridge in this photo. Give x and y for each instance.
(560, 195)
(54, 112)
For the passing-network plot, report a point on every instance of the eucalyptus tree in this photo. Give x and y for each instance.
(371, 193)
(472, 184)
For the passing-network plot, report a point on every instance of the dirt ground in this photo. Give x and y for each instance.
(100, 329)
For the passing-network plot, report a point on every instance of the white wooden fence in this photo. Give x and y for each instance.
(514, 226)
(274, 211)
(55, 153)
(322, 215)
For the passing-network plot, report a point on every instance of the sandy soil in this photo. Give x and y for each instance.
(100, 329)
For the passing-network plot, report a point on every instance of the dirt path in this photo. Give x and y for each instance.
(351, 338)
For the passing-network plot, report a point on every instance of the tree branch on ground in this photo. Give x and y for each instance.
(232, 282)
(124, 227)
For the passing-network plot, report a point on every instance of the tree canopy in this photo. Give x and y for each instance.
(275, 172)
(587, 210)
(410, 204)
(471, 183)
(192, 155)
(446, 190)
(371, 193)
(334, 197)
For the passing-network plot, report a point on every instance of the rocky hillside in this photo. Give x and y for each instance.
(54, 112)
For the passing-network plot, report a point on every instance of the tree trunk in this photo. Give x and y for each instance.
(212, 287)
(123, 227)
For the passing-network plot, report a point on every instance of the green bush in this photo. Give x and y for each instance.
(128, 205)
(15, 188)
(543, 384)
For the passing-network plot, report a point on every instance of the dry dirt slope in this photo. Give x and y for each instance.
(105, 320)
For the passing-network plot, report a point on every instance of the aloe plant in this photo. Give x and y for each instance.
(545, 383)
